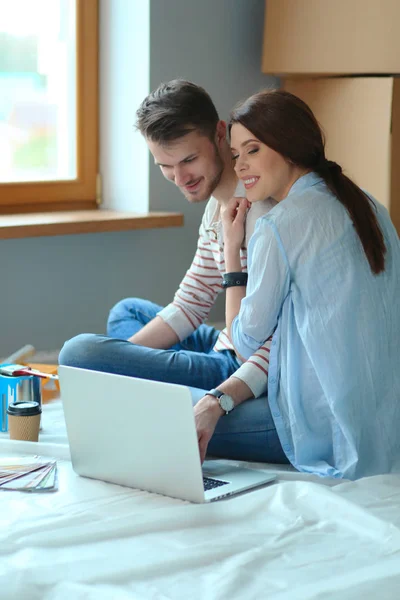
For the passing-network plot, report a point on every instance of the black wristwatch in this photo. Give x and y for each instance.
(226, 402)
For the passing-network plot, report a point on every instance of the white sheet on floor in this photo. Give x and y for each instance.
(295, 539)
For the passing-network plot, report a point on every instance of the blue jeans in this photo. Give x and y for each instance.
(247, 433)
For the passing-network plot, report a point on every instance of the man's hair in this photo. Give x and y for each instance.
(175, 109)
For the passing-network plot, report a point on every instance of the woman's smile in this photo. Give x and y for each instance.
(249, 182)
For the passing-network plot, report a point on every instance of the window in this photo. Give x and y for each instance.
(48, 105)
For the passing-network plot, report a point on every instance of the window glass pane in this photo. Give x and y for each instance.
(37, 90)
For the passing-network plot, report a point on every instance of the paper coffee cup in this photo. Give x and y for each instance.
(24, 421)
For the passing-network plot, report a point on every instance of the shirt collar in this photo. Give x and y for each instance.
(304, 182)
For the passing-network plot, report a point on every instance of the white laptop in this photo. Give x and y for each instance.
(142, 434)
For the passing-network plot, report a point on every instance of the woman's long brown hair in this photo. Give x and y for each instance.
(287, 125)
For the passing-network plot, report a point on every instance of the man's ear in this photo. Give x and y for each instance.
(221, 132)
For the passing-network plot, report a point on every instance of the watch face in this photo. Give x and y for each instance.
(226, 403)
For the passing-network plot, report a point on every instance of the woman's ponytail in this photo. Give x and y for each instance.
(361, 211)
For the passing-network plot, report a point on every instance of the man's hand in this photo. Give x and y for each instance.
(207, 411)
(233, 217)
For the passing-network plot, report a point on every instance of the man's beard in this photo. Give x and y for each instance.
(211, 185)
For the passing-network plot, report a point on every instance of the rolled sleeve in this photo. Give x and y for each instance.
(175, 318)
(267, 287)
(253, 378)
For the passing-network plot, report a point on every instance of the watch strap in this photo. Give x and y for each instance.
(216, 393)
(234, 279)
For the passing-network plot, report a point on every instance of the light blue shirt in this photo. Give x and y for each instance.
(334, 373)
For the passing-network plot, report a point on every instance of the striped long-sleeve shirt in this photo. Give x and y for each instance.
(202, 284)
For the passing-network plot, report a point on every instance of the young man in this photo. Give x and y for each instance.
(188, 142)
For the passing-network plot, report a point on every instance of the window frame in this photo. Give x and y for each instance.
(81, 192)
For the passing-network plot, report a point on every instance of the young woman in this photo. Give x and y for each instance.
(324, 281)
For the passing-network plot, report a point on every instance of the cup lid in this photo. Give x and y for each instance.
(24, 409)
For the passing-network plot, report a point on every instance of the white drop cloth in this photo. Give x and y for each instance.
(300, 538)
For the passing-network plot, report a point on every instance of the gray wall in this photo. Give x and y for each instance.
(56, 287)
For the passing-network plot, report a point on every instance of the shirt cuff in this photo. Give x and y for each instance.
(254, 378)
(174, 317)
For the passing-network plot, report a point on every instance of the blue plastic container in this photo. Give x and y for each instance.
(17, 389)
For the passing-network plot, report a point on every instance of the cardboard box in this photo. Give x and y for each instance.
(360, 117)
(331, 37)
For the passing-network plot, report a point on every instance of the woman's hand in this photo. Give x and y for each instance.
(233, 217)
(207, 411)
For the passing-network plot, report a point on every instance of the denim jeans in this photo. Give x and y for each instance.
(247, 433)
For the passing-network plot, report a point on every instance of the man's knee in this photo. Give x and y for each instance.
(129, 315)
(127, 308)
(123, 308)
(120, 312)
(80, 351)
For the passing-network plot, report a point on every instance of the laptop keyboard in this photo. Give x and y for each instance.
(209, 483)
